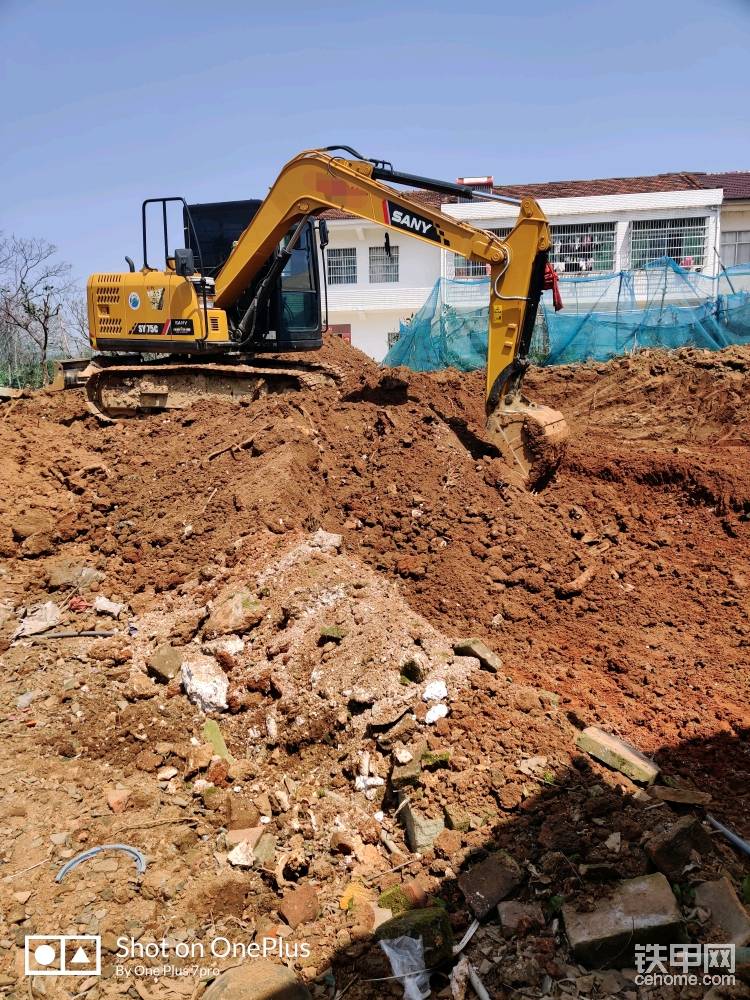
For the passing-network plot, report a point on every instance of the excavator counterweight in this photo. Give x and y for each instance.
(247, 284)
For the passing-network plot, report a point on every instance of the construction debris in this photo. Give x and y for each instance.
(363, 772)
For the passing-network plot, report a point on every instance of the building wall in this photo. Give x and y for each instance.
(373, 310)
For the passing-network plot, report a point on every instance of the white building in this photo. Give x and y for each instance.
(600, 226)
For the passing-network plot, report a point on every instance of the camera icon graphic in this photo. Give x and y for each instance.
(62, 955)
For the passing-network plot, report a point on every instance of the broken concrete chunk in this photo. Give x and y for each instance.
(457, 818)
(476, 648)
(640, 911)
(431, 924)
(615, 753)
(255, 849)
(237, 613)
(680, 796)
(678, 845)
(204, 682)
(231, 644)
(165, 662)
(519, 918)
(407, 774)
(488, 883)
(728, 917)
(421, 830)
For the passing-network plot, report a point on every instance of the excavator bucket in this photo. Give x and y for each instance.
(530, 436)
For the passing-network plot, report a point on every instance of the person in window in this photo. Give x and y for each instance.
(587, 252)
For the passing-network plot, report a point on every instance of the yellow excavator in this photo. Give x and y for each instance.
(245, 289)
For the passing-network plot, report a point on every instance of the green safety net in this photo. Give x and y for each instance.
(660, 305)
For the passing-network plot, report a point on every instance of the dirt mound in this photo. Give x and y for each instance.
(688, 396)
(316, 558)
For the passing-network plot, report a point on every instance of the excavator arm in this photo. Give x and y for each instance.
(531, 437)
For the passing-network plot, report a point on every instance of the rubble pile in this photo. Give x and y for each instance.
(346, 687)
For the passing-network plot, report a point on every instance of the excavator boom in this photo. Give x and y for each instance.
(530, 437)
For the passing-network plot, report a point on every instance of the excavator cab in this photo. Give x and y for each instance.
(290, 319)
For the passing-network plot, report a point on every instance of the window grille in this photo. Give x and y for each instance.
(735, 248)
(465, 268)
(684, 240)
(587, 246)
(382, 267)
(342, 265)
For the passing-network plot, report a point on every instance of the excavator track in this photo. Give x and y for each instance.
(117, 390)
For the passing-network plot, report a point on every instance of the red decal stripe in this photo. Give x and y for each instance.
(386, 213)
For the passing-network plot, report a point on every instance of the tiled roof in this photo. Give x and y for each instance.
(736, 185)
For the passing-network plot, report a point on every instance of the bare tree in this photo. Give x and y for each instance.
(76, 325)
(34, 286)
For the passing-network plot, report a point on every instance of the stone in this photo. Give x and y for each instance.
(640, 911)
(421, 830)
(431, 924)
(139, 687)
(519, 918)
(457, 818)
(680, 796)
(617, 754)
(257, 979)
(250, 836)
(237, 612)
(66, 573)
(488, 660)
(449, 842)
(728, 920)
(204, 682)
(265, 850)
(678, 845)
(25, 699)
(300, 906)
(255, 850)
(25, 525)
(164, 663)
(198, 760)
(342, 842)
(486, 884)
(243, 813)
(118, 798)
(405, 775)
(331, 633)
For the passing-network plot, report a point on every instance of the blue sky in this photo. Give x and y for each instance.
(105, 104)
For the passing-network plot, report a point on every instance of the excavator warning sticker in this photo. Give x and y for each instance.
(401, 218)
(134, 300)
